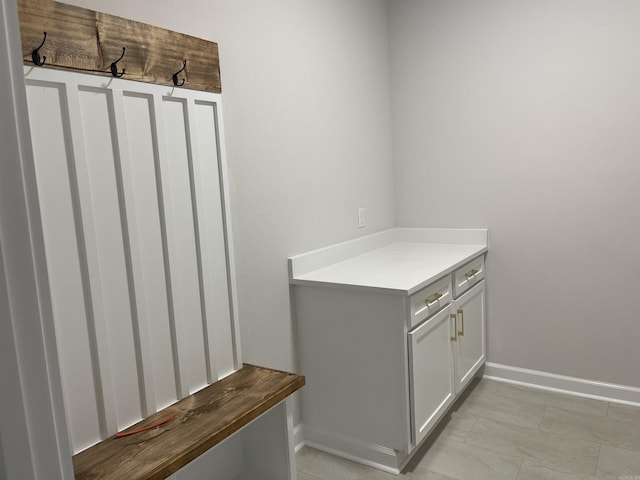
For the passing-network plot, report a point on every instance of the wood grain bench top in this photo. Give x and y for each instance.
(201, 421)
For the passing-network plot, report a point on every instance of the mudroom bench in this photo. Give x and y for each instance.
(236, 428)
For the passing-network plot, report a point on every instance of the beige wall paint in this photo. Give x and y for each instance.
(307, 126)
(524, 117)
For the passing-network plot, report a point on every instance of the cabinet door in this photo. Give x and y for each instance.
(470, 325)
(431, 371)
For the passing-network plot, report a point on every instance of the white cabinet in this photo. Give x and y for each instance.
(390, 330)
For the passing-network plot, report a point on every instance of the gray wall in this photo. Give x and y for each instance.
(524, 117)
(517, 116)
(307, 120)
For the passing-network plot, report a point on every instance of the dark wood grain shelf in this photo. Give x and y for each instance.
(201, 421)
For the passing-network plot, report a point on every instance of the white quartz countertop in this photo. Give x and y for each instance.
(399, 266)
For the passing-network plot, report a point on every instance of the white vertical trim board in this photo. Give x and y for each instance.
(182, 248)
(33, 433)
(89, 257)
(200, 240)
(288, 407)
(132, 187)
(160, 160)
(66, 269)
(228, 236)
(211, 236)
(131, 237)
(563, 384)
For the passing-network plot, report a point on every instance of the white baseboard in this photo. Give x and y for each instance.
(376, 456)
(563, 384)
(298, 437)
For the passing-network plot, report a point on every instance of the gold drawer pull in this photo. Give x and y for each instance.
(433, 299)
(455, 327)
(471, 273)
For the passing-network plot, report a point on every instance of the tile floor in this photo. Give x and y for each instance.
(499, 431)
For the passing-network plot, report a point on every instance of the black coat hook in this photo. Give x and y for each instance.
(175, 75)
(35, 55)
(114, 66)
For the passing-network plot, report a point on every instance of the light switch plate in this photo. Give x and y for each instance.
(361, 218)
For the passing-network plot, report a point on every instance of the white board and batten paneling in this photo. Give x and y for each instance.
(132, 187)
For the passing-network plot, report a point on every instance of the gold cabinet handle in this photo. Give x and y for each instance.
(455, 327)
(433, 299)
(471, 273)
(461, 313)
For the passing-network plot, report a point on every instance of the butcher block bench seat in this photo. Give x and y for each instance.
(187, 428)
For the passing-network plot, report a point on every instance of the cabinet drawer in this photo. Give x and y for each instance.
(429, 300)
(468, 275)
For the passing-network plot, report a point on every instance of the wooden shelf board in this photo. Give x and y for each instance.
(202, 420)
